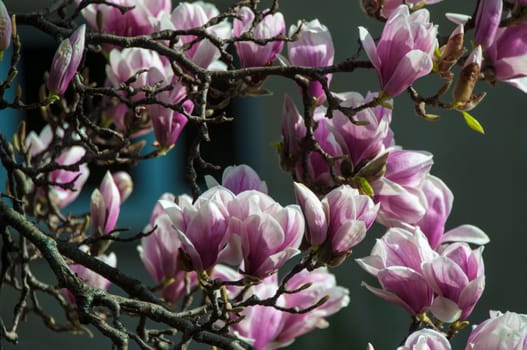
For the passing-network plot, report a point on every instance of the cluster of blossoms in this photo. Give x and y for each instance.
(349, 170)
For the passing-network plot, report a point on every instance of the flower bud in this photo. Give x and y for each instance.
(426, 339)
(468, 78)
(451, 52)
(500, 332)
(66, 61)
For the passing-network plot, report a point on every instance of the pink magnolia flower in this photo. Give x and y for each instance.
(122, 67)
(270, 328)
(269, 233)
(136, 21)
(318, 172)
(457, 276)
(322, 285)
(66, 61)
(363, 142)
(502, 331)
(405, 50)
(506, 55)
(105, 206)
(5, 28)
(313, 48)
(167, 122)
(59, 195)
(396, 261)
(194, 15)
(439, 201)
(202, 228)
(338, 222)
(400, 192)
(488, 19)
(90, 277)
(159, 253)
(250, 53)
(426, 339)
(238, 179)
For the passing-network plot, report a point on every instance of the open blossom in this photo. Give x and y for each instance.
(270, 328)
(59, 195)
(457, 276)
(313, 48)
(338, 222)
(66, 61)
(124, 65)
(202, 227)
(252, 54)
(426, 339)
(269, 233)
(159, 253)
(238, 179)
(502, 331)
(194, 15)
(404, 52)
(135, 21)
(396, 261)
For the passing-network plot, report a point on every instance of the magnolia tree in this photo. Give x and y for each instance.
(217, 256)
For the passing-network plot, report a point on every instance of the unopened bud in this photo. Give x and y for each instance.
(468, 77)
(451, 51)
(66, 61)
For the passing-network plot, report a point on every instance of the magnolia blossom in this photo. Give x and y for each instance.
(338, 222)
(59, 195)
(396, 260)
(354, 147)
(252, 54)
(439, 201)
(506, 55)
(426, 339)
(105, 206)
(66, 61)
(488, 19)
(313, 48)
(400, 192)
(238, 179)
(404, 52)
(167, 122)
(92, 278)
(5, 28)
(502, 331)
(457, 276)
(202, 228)
(269, 233)
(132, 64)
(159, 252)
(194, 15)
(135, 21)
(269, 328)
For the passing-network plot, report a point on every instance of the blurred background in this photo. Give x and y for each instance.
(485, 173)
